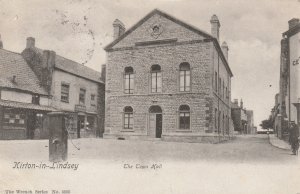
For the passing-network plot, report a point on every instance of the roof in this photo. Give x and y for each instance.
(73, 67)
(13, 64)
(156, 11)
(25, 105)
(188, 26)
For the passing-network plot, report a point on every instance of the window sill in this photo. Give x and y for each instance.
(184, 130)
(127, 130)
(65, 101)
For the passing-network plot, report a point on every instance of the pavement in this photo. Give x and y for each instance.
(279, 143)
(248, 164)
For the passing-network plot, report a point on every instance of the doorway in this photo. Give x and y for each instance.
(80, 124)
(155, 122)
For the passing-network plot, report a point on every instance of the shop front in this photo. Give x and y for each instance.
(23, 121)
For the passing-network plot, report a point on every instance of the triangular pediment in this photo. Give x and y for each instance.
(158, 26)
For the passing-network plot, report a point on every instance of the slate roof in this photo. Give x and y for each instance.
(74, 68)
(13, 64)
(25, 105)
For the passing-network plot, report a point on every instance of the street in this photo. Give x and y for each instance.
(155, 167)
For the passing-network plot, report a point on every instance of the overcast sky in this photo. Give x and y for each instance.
(79, 29)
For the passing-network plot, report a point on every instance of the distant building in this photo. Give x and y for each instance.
(167, 79)
(289, 92)
(24, 103)
(243, 120)
(73, 87)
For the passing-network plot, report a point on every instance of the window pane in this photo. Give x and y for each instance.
(153, 82)
(159, 83)
(131, 85)
(187, 81)
(181, 80)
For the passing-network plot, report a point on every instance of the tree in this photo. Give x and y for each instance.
(267, 124)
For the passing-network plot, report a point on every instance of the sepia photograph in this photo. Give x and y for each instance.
(144, 97)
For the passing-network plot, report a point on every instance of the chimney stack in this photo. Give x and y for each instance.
(215, 26)
(225, 50)
(1, 43)
(293, 22)
(48, 59)
(241, 104)
(30, 42)
(119, 28)
(236, 101)
(103, 72)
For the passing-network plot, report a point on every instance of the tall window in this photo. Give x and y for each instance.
(185, 77)
(184, 117)
(156, 79)
(216, 81)
(226, 92)
(82, 96)
(220, 86)
(93, 100)
(223, 89)
(64, 92)
(216, 112)
(128, 117)
(129, 80)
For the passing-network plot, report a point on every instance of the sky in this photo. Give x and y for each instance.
(79, 29)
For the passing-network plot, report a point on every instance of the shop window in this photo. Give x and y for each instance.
(128, 117)
(128, 80)
(65, 89)
(13, 118)
(185, 77)
(184, 117)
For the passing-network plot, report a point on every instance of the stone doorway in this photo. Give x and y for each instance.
(155, 122)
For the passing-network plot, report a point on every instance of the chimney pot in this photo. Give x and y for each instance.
(225, 50)
(30, 42)
(119, 29)
(215, 26)
(236, 101)
(293, 22)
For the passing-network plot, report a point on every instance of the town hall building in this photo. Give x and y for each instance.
(167, 79)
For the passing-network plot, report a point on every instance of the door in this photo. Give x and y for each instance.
(158, 125)
(80, 124)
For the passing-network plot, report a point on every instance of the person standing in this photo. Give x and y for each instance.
(293, 139)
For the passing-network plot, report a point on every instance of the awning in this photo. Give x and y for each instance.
(29, 106)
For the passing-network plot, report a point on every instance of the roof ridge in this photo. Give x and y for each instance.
(71, 60)
(11, 51)
(168, 16)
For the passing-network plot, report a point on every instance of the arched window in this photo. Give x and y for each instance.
(184, 117)
(156, 79)
(185, 77)
(128, 117)
(129, 80)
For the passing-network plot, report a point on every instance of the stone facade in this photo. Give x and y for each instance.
(160, 39)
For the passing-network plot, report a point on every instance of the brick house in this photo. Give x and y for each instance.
(167, 79)
(73, 87)
(24, 103)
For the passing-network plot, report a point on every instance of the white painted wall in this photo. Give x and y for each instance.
(16, 96)
(294, 43)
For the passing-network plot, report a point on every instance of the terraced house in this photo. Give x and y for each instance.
(167, 79)
(38, 81)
